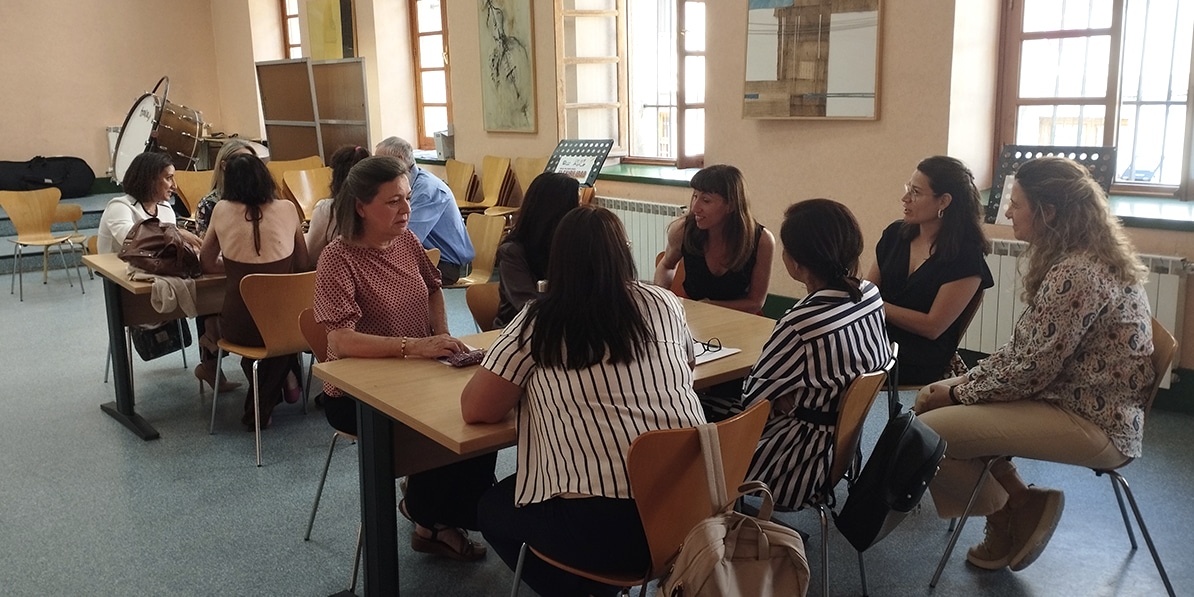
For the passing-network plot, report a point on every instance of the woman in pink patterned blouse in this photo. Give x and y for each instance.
(1071, 384)
(379, 296)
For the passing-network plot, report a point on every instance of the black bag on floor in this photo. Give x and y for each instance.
(160, 339)
(71, 175)
(892, 482)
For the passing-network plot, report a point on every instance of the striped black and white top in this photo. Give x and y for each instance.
(575, 426)
(816, 350)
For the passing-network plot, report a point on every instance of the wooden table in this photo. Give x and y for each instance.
(127, 303)
(409, 420)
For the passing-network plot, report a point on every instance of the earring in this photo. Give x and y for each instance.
(941, 213)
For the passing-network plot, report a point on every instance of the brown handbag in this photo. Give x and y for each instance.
(159, 249)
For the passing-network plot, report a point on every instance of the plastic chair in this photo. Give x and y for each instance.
(308, 187)
(32, 213)
(667, 478)
(485, 232)
(275, 302)
(483, 300)
(1164, 347)
(462, 179)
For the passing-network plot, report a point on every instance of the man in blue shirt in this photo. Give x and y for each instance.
(434, 217)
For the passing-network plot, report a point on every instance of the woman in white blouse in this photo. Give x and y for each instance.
(583, 388)
(148, 183)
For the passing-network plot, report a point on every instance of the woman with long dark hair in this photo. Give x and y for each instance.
(598, 360)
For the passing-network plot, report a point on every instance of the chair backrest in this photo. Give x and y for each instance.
(314, 333)
(667, 477)
(1164, 348)
(308, 187)
(31, 212)
(461, 178)
(495, 180)
(967, 314)
(433, 255)
(68, 213)
(852, 411)
(92, 243)
(677, 286)
(275, 302)
(526, 169)
(485, 232)
(483, 300)
(193, 187)
(278, 168)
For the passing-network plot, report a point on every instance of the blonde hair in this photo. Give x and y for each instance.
(1082, 222)
(229, 147)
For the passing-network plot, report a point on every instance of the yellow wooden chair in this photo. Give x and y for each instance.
(32, 213)
(433, 255)
(278, 168)
(671, 490)
(462, 179)
(526, 169)
(66, 213)
(497, 184)
(275, 302)
(485, 232)
(308, 187)
(483, 301)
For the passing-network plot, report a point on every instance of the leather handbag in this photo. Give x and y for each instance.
(159, 249)
(731, 553)
(155, 340)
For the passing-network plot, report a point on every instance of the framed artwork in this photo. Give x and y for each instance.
(507, 66)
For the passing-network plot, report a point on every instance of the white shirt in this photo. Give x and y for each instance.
(119, 217)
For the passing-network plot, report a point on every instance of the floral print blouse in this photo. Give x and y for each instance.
(1085, 343)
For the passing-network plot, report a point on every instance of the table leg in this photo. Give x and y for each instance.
(123, 409)
(375, 439)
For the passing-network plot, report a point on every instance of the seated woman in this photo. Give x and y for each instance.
(841, 316)
(929, 265)
(522, 258)
(230, 148)
(623, 369)
(322, 229)
(727, 255)
(251, 232)
(378, 295)
(1070, 385)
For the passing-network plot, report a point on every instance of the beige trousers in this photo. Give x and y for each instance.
(1028, 428)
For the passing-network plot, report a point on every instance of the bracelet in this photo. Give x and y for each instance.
(953, 395)
(404, 355)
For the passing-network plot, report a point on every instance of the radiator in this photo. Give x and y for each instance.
(1001, 307)
(646, 228)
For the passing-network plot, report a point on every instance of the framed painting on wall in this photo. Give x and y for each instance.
(507, 66)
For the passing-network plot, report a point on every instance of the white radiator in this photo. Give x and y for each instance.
(646, 228)
(1001, 307)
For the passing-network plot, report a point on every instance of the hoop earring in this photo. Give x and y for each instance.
(940, 213)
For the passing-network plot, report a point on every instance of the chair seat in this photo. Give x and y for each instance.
(252, 352)
(40, 240)
(619, 580)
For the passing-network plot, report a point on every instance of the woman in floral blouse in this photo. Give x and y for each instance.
(1071, 384)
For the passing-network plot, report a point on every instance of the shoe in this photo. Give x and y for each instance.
(205, 372)
(995, 551)
(1032, 525)
(471, 552)
(292, 395)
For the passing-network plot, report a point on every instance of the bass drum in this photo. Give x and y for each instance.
(135, 134)
(179, 131)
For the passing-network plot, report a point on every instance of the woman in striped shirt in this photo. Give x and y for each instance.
(595, 362)
(816, 350)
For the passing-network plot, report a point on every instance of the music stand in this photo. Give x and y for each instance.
(1099, 160)
(580, 158)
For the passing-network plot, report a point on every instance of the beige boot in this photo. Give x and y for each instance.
(1033, 522)
(995, 551)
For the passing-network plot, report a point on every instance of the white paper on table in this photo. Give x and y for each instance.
(713, 355)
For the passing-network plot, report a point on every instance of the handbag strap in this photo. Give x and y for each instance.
(714, 473)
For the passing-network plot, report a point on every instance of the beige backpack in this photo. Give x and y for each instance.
(734, 554)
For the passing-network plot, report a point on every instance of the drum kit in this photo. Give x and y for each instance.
(158, 124)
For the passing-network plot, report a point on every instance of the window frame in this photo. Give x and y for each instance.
(286, 45)
(425, 139)
(1008, 102)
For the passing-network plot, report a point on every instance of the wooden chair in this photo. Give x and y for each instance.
(308, 187)
(483, 300)
(497, 184)
(485, 232)
(462, 179)
(526, 169)
(278, 169)
(667, 478)
(32, 213)
(192, 188)
(433, 255)
(894, 387)
(316, 336)
(275, 302)
(1164, 348)
(677, 286)
(65, 213)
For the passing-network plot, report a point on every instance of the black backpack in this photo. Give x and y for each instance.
(892, 482)
(71, 175)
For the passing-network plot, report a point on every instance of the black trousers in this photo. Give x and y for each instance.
(447, 495)
(449, 272)
(596, 534)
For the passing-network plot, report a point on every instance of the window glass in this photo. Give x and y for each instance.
(1060, 125)
(694, 131)
(694, 26)
(429, 16)
(590, 5)
(1070, 67)
(694, 79)
(435, 119)
(1055, 15)
(431, 51)
(589, 37)
(591, 83)
(435, 87)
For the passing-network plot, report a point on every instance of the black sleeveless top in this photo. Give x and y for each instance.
(700, 283)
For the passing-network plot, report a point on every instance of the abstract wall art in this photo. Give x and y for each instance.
(507, 65)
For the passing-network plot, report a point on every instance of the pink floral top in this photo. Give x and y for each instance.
(1084, 343)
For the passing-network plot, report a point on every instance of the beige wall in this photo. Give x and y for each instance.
(71, 69)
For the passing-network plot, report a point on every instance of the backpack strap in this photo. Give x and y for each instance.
(714, 473)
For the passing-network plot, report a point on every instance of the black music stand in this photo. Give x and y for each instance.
(1099, 160)
(580, 158)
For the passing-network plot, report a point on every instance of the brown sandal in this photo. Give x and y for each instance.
(472, 551)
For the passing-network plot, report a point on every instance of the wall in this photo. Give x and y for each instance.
(71, 69)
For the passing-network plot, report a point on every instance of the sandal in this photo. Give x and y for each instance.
(471, 552)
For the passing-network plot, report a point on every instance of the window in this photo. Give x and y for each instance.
(634, 71)
(1102, 73)
(292, 37)
(433, 88)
